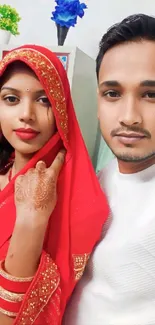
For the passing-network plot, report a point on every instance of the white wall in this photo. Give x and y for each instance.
(36, 26)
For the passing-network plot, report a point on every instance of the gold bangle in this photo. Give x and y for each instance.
(8, 313)
(10, 296)
(11, 277)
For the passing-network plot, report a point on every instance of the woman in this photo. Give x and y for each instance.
(45, 241)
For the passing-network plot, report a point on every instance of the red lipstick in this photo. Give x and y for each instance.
(26, 134)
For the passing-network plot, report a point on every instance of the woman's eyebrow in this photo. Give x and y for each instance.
(38, 92)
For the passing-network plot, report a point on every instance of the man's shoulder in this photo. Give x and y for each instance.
(106, 174)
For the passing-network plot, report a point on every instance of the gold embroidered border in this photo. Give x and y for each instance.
(52, 312)
(47, 73)
(79, 263)
(46, 284)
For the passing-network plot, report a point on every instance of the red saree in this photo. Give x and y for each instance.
(76, 223)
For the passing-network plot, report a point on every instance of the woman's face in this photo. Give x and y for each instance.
(26, 116)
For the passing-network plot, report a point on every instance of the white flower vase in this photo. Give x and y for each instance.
(4, 36)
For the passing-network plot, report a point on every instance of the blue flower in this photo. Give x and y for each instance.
(67, 11)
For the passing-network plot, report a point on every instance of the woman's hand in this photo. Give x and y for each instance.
(35, 200)
(36, 192)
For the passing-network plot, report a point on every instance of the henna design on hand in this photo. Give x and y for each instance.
(37, 189)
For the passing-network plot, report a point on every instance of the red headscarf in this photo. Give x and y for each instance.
(76, 223)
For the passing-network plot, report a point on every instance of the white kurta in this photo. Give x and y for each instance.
(118, 287)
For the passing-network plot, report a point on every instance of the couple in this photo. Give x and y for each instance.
(54, 216)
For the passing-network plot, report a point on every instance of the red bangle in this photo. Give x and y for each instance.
(11, 296)
(8, 313)
(10, 302)
(10, 306)
(12, 283)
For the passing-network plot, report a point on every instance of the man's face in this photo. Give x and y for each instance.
(126, 100)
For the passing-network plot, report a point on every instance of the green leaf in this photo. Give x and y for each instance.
(9, 19)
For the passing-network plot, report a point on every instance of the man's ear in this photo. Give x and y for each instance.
(98, 115)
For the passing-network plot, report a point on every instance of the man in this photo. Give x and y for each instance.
(118, 286)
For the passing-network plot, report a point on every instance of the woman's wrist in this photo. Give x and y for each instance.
(24, 250)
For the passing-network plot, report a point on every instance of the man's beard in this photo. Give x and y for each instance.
(132, 158)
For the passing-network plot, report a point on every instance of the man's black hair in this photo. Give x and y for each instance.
(133, 28)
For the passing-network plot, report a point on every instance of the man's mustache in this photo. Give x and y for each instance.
(135, 129)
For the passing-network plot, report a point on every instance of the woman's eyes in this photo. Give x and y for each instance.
(44, 100)
(11, 99)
